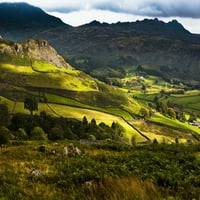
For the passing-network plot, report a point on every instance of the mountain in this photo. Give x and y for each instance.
(108, 50)
(19, 21)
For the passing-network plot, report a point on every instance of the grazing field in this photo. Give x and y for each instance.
(173, 123)
(162, 133)
(190, 101)
(70, 102)
(62, 78)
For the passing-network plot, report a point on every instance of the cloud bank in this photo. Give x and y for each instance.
(153, 8)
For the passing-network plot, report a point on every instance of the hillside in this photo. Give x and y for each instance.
(33, 69)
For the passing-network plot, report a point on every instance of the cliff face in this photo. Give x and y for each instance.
(33, 49)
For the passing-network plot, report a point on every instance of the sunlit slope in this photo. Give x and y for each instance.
(34, 67)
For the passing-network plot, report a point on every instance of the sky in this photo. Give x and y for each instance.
(78, 12)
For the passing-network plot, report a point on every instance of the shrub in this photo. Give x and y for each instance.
(5, 135)
(21, 134)
(56, 133)
(38, 134)
(4, 115)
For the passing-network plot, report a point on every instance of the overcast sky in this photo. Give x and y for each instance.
(77, 12)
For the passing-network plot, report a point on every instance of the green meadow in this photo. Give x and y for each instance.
(158, 118)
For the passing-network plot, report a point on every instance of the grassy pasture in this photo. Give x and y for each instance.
(173, 123)
(65, 80)
(162, 133)
(79, 113)
(190, 101)
(70, 102)
(42, 66)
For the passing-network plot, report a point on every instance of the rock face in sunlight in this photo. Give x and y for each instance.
(33, 49)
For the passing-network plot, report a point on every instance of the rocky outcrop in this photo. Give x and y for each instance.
(41, 50)
(33, 49)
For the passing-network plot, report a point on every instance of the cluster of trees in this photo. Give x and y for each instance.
(41, 127)
(169, 111)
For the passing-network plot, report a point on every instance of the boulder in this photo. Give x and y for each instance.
(65, 152)
(74, 151)
(42, 148)
(36, 174)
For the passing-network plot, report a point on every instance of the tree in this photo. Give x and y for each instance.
(144, 88)
(119, 130)
(161, 107)
(171, 113)
(56, 133)
(155, 141)
(38, 134)
(85, 121)
(133, 140)
(21, 134)
(68, 134)
(31, 105)
(193, 117)
(92, 137)
(144, 113)
(5, 135)
(4, 115)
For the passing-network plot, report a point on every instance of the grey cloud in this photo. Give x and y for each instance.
(155, 8)
(159, 8)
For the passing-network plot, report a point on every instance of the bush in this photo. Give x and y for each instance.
(56, 133)
(21, 134)
(38, 134)
(68, 134)
(5, 135)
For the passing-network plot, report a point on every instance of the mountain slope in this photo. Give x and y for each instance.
(20, 21)
(33, 66)
(33, 69)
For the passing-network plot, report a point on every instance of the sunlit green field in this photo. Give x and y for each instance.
(70, 102)
(62, 78)
(162, 133)
(173, 123)
(190, 100)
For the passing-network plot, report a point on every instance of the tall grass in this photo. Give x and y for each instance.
(116, 189)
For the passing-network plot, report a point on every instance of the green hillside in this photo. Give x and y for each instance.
(59, 88)
(33, 69)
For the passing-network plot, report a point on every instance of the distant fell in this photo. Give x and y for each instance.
(148, 26)
(21, 21)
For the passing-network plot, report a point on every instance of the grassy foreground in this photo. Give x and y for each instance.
(111, 172)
